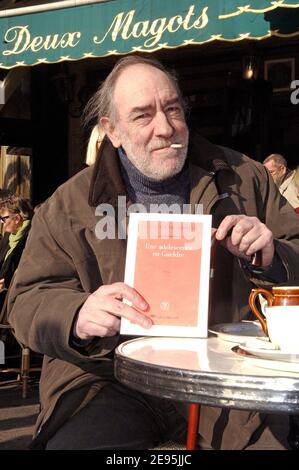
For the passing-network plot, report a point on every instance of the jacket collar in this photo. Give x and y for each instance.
(287, 180)
(205, 159)
(106, 181)
(208, 156)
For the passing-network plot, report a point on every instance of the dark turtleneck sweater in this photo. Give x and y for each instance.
(146, 191)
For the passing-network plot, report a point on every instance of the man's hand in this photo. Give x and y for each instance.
(100, 314)
(243, 236)
(2, 283)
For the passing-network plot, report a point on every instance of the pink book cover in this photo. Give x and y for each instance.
(168, 263)
(167, 271)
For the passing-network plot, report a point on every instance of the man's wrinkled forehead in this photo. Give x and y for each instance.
(140, 82)
(272, 165)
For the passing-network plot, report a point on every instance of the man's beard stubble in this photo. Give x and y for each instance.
(156, 170)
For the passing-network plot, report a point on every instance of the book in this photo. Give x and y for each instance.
(168, 263)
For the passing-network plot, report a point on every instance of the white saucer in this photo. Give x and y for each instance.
(263, 349)
(237, 332)
(273, 365)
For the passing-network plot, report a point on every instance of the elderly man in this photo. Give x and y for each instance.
(285, 179)
(67, 299)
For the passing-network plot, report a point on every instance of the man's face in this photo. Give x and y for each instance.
(276, 170)
(149, 118)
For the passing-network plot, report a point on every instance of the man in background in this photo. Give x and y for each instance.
(285, 179)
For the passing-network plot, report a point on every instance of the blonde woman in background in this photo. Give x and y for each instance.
(95, 140)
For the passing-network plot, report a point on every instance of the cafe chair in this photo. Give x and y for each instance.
(24, 369)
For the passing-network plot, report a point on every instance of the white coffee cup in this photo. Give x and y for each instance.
(283, 327)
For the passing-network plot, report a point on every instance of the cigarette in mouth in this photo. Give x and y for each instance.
(176, 146)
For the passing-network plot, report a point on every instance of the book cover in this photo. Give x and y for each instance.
(168, 260)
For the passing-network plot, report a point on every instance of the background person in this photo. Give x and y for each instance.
(94, 142)
(68, 305)
(285, 179)
(15, 215)
(4, 246)
(288, 185)
(296, 180)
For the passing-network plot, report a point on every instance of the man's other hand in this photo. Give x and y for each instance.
(243, 236)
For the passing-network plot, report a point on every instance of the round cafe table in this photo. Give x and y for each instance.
(205, 371)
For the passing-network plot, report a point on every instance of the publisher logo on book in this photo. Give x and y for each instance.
(164, 305)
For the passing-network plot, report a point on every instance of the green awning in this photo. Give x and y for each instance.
(117, 27)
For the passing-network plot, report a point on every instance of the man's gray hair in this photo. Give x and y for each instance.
(102, 104)
(276, 158)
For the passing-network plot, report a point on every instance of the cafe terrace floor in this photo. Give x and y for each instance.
(17, 414)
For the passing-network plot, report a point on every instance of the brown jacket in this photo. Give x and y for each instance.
(64, 262)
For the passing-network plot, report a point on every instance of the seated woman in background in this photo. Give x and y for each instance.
(15, 214)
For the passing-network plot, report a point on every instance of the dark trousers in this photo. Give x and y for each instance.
(120, 418)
